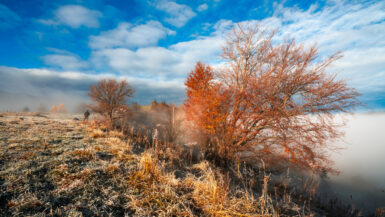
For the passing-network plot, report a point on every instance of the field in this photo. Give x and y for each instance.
(58, 166)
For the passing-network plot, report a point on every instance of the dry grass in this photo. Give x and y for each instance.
(212, 193)
(58, 167)
(155, 192)
(96, 133)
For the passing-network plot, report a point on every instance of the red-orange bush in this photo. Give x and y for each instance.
(61, 109)
(53, 109)
(270, 101)
(205, 107)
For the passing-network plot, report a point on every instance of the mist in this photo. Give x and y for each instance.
(361, 181)
(32, 88)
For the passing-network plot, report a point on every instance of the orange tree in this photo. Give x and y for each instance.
(271, 101)
(205, 107)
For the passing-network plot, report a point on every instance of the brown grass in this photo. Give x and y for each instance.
(57, 167)
(96, 133)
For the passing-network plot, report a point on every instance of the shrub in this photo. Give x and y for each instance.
(271, 100)
(110, 98)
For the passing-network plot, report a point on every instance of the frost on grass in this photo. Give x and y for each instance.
(52, 166)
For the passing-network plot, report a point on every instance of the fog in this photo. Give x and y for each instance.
(32, 87)
(362, 163)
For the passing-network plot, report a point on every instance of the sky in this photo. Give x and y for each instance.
(51, 51)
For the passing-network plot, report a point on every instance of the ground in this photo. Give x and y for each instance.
(49, 165)
(57, 165)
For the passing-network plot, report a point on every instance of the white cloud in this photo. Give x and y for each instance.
(356, 29)
(64, 61)
(130, 36)
(163, 63)
(202, 7)
(142, 62)
(178, 14)
(335, 26)
(74, 16)
(206, 49)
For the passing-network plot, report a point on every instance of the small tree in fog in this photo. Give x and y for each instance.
(54, 109)
(26, 109)
(110, 97)
(61, 109)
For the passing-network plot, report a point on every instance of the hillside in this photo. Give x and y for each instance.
(57, 166)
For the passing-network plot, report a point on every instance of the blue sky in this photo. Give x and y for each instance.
(53, 50)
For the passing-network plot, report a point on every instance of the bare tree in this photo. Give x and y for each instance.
(270, 101)
(110, 97)
(26, 109)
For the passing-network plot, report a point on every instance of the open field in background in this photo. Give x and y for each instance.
(53, 165)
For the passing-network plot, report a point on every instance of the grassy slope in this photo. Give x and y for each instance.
(60, 167)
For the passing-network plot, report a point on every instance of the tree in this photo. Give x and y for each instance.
(110, 97)
(25, 109)
(53, 109)
(271, 100)
(61, 109)
(205, 107)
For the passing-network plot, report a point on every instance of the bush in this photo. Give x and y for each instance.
(110, 97)
(271, 100)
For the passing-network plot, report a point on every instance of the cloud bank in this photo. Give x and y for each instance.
(31, 87)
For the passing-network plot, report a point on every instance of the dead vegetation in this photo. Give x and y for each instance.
(272, 100)
(61, 167)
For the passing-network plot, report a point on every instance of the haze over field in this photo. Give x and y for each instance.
(362, 161)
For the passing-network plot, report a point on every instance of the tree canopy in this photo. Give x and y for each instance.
(271, 101)
(110, 97)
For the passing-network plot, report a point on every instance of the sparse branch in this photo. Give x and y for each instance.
(110, 97)
(270, 100)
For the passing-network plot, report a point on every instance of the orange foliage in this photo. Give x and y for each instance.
(271, 101)
(205, 103)
(62, 109)
(54, 109)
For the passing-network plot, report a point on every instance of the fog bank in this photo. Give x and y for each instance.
(362, 162)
